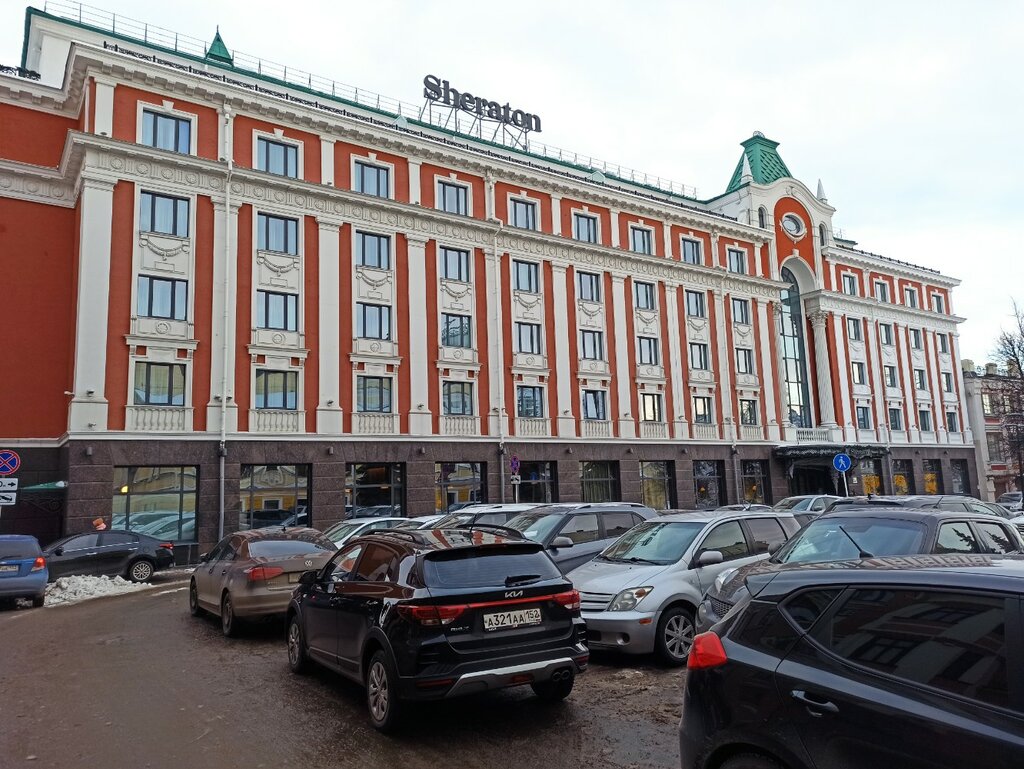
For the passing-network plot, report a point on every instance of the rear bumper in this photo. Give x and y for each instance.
(260, 603)
(632, 632)
(29, 586)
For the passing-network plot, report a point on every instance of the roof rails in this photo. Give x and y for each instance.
(492, 527)
(412, 534)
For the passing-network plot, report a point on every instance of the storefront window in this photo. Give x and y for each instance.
(870, 476)
(902, 477)
(600, 481)
(709, 483)
(932, 476)
(961, 482)
(274, 495)
(539, 482)
(157, 501)
(377, 489)
(755, 482)
(458, 483)
(657, 484)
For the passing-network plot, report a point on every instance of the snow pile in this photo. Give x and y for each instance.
(75, 589)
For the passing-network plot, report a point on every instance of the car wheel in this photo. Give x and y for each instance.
(751, 761)
(382, 693)
(554, 691)
(228, 621)
(140, 570)
(674, 636)
(38, 601)
(193, 599)
(298, 661)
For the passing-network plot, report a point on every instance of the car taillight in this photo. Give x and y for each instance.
(39, 565)
(707, 652)
(167, 546)
(431, 616)
(257, 573)
(570, 599)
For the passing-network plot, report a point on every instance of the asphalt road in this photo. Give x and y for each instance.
(134, 681)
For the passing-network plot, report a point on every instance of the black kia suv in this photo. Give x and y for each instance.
(891, 662)
(430, 614)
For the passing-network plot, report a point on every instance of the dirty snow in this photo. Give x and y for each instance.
(74, 589)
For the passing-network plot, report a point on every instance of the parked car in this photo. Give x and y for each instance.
(890, 662)
(1018, 521)
(497, 513)
(252, 574)
(869, 533)
(640, 595)
(111, 553)
(812, 503)
(376, 511)
(431, 614)
(956, 502)
(742, 506)
(23, 571)
(420, 522)
(574, 534)
(1012, 501)
(343, 531)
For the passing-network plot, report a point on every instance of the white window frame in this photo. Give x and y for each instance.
(706, 355)
(540, 285)
(858, 372)
(652, 343)
(635, 226)
(167, 108)
(454, 181)
(885, 290)
(299, 230)
(855, 323)
(700, 250)
(910, 291)
(517, 338)
(886, 342)
(538, 217)
(602, 352)
(938, 303)
(657, 398)
(542, 400)
(729, 251)
(654, 295)
(710, 412)
(604, 404)
(474, 394)
(278, 137)
(299, 385)
(440, 262)
(749, 314)
(703, 303)
(844, 277)
(372, 160)
(745, 361)
(574, 212)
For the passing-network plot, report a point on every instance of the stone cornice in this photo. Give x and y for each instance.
(882, 311)
(890, 267)
(36, 184)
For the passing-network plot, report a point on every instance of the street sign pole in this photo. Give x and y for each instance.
(846, 489)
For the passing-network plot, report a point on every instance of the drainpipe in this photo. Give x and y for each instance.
(500, 345)
(222, 450)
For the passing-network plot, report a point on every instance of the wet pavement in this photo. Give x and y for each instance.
(134, 681)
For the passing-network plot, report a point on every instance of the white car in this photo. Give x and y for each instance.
(419, 522)
(1012, 501)
(343, 531)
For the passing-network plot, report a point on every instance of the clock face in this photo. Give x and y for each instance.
(792, 224)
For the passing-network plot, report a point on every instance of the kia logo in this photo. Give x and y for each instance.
(513, 593)
(309, 562)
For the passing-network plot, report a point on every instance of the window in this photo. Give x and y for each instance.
(881, 291)
(696, 306)
(995, 447)
(527, 338)
(855, 329)
(375, 485)
(160, 500)
(643, 296)
(159, 384)
(903, 477)
(657, 489)
(539, 482)
(456, 330)
(584, 227)
(457, 483)
(741, 311)
(275, 233)
(822, 236)
(592, 345)
(702, 410)
(164, 215)
(748, 412)
(951, 641)
(277, 389)
(885, 332)
(162, 298)
(455, 264)
(864, 417)
(987, 407)
(167, 132)
(961, 480)
(373, 180)
(896, 419)
(647, 347)
(277, 311)
(924, 421)
(938, 303)
(805, 608)
(378, 564)
(600, 482)
(920, 379)
(947, 381)
(691, 251)
(277, 157)
(457, 398)
(698, 356)
(765, 532)
(915, 338)
(523, 214)
(373, 321)
(859, 373)
(910, 297)
(527, 276)
(762, 218)
(728, 539)
(589, 286)
(650, 407)
(530, 401)
(795, 386)
(933, 473)
(952, 422)
(617, 524)
(373, 250)
(849, 284)
(584, 528)
(452, 198)
(709, 484)
(1000, 541)
(593, 405)
(737, 260)
(373, 394)
(889, 375)
(943, 342)
(744, 360)
(640, 240)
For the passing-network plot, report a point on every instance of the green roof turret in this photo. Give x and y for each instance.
(218, 51)
(760, 163)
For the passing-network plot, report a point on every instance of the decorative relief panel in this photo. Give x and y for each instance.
(650, 374)
(528, 307)
(743, 334)
(747, 380)
(591, 367)
(646, 323)
(459, 356)
(375, 348)
(269, 337)
(278, 272)
(590, 315)
(374, 285)
(165, 254)
(162, 328)
(531, 361)
(457, 297)
(697, 329)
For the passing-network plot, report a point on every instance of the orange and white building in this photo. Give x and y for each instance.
(232, 293)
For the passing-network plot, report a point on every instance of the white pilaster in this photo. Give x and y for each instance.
(104, 115)
(878, 386)
(724, 374)
(958, 374)
(566, 387)
(844, 417)
(769, 370)
(907, 384)
(327, 161)
(556, 214)
(935, 385)
(615, 228)
(498, 418)
(329, 409)
(680, 428)
(420, 422)
(623, 385)
(414, 183)
(823, 370)
(667, 234)
(225, 282)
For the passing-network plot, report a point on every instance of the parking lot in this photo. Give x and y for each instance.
(135, 681)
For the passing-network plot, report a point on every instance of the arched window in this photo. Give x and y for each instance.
(793, 354)
(762, 218)
(821, 234)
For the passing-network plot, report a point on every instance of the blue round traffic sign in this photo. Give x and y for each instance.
(842, 462)
(9, 462)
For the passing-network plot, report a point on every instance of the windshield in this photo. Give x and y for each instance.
(1012, 496)
(343, 529)
(654, 542)
(792, 503)
(19, 548)
(495, 567)
(284, 548)
(536, 525)
(823, 540)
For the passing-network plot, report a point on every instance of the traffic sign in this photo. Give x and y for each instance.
(842, 462)
(515, 480)
(9, 462)
(8, 484)
(513, 465)
(8, 498)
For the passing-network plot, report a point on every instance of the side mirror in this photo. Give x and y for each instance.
(308, 577)
(59, 551)
(204, 557)
(774, 547)
(710, 558)
(558, 542)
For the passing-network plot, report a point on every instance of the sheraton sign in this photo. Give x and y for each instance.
(439, 90)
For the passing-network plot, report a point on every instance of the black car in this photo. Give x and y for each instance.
(864, 664)
(869, 533)
(953, 502)
(111, 553)
(424, 615)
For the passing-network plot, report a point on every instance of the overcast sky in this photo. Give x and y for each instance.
(909, 112)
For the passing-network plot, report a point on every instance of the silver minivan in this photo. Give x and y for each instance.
(641, 594)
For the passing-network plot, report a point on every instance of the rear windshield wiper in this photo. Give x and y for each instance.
(521, 579)
(862, 552)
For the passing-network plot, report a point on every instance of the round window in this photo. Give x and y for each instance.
(793, 225)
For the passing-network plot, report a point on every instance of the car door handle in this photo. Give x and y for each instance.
(373, 603)
(815, 707)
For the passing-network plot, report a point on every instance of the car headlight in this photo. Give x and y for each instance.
(628, 599)
(722, 578)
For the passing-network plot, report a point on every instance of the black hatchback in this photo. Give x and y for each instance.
(111, 553)
(890, 662)
(420, 615)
